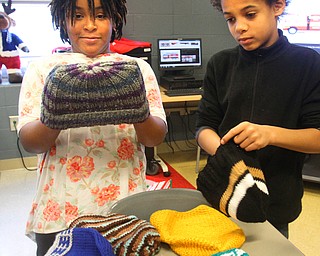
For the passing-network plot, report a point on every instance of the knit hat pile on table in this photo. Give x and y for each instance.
(80, 242)
(232, 182)
(200, 231)
(127, 234)
(77, 95)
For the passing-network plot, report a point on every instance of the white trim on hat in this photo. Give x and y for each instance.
(239, 193)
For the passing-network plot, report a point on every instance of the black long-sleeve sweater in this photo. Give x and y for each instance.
(278, 86)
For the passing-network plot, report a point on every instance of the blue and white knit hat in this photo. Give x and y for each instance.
(80, 242)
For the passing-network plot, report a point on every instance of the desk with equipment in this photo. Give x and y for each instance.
(171, 104)
(177, 103)
(182, 86)
(177, 60)
(180, 104)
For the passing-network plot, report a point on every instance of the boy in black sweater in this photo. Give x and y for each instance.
(264, 95)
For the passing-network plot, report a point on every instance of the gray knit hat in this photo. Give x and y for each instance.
(77, 95)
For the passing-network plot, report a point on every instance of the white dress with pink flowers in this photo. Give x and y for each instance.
(90, 167)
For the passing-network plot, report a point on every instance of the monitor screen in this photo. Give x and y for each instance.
(301, 23)
(179, 54)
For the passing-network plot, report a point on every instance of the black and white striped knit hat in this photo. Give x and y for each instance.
(127, 234)
(232, 182)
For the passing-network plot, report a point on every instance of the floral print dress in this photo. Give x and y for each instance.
(89, 168)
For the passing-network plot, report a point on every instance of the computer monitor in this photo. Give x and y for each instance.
(178, 55)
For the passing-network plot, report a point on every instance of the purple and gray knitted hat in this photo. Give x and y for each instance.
(77, 95)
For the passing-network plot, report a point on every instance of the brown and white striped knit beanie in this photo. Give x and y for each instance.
(232, 182)
(128, 235)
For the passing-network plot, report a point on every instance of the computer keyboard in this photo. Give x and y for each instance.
(184, 91)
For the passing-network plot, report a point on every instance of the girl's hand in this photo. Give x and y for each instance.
(249, 136)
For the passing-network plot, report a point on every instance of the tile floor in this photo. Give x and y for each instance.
(16, 192)
(17, 189)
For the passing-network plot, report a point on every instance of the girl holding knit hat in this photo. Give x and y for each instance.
(88, 114)
(264, 95)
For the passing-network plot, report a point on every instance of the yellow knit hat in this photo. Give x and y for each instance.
(201, 231)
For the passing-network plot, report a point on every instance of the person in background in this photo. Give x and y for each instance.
(84, 167)
(264, 95)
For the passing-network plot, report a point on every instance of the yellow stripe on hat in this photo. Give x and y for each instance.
(237, 170)
(256, 173)
(259, 179)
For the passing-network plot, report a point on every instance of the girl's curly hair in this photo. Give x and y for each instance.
(116, 10)
(217, 3)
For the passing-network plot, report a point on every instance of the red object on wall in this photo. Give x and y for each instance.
(125, 45)
(132, 48)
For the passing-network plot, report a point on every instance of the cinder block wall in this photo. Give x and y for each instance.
(9, 96)
(147, 20)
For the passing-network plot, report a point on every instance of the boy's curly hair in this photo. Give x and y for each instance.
(116, 10)
(217, 3)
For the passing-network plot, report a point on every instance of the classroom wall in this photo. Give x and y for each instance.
(147, 20)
